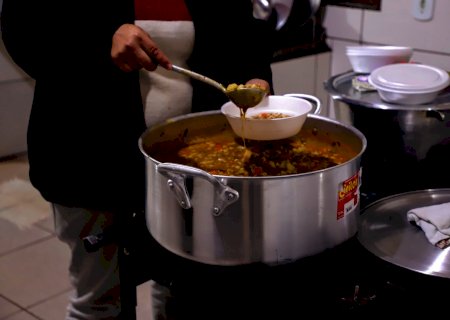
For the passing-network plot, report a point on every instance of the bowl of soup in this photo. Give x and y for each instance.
(276, 117)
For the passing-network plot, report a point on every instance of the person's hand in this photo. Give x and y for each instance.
(260, 83)
(133, 49)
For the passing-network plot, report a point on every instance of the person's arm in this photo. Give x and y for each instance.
(133, 49)
(55, 38)
(231, 46)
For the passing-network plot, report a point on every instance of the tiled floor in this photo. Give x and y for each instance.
(34, 280)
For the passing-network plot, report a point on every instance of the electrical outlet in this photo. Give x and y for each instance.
(423, 9)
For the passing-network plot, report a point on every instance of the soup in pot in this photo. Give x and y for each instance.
(225, 154)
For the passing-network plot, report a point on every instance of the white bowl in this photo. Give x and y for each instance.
(409, 83)
(365, 59)
(407, 98)
(294, 105)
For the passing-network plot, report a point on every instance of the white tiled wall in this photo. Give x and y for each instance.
(15, 106)
(303, 75)
(16, 94)
(394, 24)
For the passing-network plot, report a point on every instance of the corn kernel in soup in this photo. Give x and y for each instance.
(235, 86)
(270, 115)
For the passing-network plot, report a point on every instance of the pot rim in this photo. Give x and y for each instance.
(351, 128)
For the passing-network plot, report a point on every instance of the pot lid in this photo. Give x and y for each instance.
(341, 88)
(385, 231)
(410, 77)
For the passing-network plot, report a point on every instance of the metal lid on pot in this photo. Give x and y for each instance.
(385, 231)
(340, 88)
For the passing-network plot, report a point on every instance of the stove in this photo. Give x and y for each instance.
(347, 280)
(344, 281)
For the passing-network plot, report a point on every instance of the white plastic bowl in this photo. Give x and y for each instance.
(407, 98)
(365, 59)
(409, 83)
(295, 105)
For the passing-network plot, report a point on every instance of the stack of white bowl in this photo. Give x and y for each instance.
(365, 59)
(409, 83)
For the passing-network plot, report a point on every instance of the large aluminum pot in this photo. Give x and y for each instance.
(234, 220)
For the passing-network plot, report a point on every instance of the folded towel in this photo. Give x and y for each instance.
(434, 221)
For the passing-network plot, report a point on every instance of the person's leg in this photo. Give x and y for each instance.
(160, 298)
(94, 275)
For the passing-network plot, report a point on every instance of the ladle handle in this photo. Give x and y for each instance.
(199, 77)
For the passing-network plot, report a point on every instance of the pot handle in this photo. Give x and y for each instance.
(436, 114)
(177, 173)
(315, 101)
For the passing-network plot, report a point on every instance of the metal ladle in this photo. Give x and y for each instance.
(244, 98)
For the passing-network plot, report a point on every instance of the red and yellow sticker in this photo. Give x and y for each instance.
(348, 195)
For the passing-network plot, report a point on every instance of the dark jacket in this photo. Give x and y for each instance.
(87, 115)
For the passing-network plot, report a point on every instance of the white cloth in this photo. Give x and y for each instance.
(167, 94)
(434, 221)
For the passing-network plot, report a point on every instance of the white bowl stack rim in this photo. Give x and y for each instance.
(379, 50)
(409, 78)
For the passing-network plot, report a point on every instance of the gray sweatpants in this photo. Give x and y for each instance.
(95, 275)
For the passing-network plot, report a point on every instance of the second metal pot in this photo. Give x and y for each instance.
(408, 145)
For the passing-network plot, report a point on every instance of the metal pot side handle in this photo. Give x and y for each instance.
(177, 173)
(436, 114)
(315, 101)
